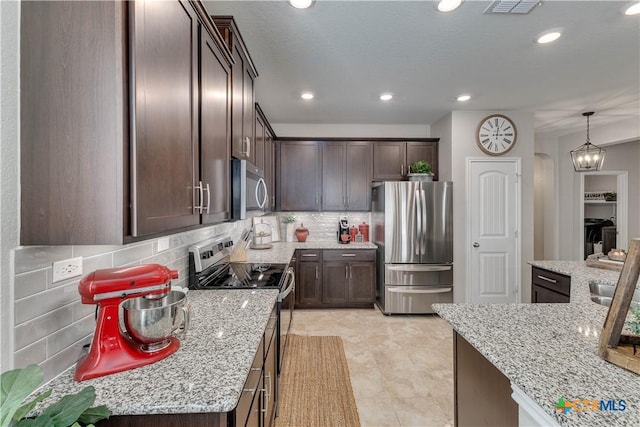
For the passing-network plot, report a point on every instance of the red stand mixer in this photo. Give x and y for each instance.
(150, 310)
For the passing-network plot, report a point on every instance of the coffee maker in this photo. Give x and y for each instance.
(343, 230)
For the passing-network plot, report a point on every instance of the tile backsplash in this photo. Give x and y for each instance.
(51, 324)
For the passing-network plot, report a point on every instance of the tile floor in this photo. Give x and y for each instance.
(401, 366)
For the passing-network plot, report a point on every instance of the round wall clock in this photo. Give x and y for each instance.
(496, 134)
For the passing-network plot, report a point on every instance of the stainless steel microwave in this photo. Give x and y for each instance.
(249, 190)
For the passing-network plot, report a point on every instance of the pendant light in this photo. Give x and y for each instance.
(587, 157)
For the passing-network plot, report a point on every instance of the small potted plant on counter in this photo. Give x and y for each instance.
(420, 171)
(289, 222)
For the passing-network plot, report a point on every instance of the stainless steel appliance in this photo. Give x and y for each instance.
(248, 189)
(413, 230)
(210, 268)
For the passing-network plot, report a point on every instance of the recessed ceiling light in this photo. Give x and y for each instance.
(300, 4)
(633, 10)
(464, 98)
(448, 5)
(306, 95)
(386, 97)
(549, 37)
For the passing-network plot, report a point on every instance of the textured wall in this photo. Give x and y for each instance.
(51, 325)
(324, 225)
(9, 159)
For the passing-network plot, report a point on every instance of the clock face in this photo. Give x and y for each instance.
(496, 134)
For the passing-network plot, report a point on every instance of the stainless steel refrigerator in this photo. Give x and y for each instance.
(412, 226)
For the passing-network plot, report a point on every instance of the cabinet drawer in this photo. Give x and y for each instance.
(551, 280)
(348, 256)
(314, 255)
(251, 387)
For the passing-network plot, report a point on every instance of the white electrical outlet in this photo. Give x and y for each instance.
(67, 269)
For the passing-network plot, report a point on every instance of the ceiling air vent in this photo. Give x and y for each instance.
(512, 6)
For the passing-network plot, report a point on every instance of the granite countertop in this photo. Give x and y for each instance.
(282, 252)
(550, 350)
(206, 374)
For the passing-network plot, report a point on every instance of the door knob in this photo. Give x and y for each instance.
(476, 244)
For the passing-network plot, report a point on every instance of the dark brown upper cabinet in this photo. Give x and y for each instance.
(215, 128)
(299, 179)
(112, 144)
(346, 175)
(265, 155)
(391, 159)
(243, 75)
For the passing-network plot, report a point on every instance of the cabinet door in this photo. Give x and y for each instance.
(72, 135)
(308, 283)
(299, 180)
(259, 144)
(237, 104)
(362, 282)
(214, 129)
(544, 295)
(269, 172)
(248, 116)
(165, 128)
(427, 151)
(388, 160)
(358, 176)
(270, 377)
(334, 197)
(335, 283)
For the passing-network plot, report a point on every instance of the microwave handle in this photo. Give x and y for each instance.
(263, 202)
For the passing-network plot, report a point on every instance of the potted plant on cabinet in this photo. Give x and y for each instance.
(420, 171)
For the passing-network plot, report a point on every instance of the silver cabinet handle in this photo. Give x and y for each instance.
(547, 279)
(348, 255)
(350, 272)
(476, 244)
(208, 190)
(316, 272)
(200, 207)
(310, 255)
(402, 170)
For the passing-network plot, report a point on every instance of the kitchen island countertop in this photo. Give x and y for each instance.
(206, 374)
(282, 252)
(550, 350)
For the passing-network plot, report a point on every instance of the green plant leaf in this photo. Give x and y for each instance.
(15, 386)
(95, 414)
(41, 421)
(26, 408)
(68, 409)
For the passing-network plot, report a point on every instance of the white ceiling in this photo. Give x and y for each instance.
(349, 52)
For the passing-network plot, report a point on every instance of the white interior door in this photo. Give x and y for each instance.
(493, 274)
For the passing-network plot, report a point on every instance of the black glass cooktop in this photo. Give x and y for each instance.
(234, 275)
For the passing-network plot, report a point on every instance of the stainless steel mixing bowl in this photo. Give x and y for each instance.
(151, 321)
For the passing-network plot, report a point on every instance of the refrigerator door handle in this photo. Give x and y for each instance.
(435, 290)
(414, 268)
(419, 215)
(423, 237)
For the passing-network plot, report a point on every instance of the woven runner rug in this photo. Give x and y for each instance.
(316, 388)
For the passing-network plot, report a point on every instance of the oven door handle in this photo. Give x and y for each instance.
(292, 284)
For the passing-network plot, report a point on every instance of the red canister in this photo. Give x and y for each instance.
(364, 230)
(353, 232)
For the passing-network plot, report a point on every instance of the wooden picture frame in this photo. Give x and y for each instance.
(614, 347)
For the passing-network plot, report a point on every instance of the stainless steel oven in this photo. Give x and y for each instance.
(286, 302)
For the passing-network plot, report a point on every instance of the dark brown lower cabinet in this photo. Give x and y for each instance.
(335, 278)
(482, 393)
(549, 286)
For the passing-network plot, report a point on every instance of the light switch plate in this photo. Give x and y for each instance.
(67, 269)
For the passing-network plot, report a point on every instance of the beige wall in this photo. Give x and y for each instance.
(463, 146)
(622, 143)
